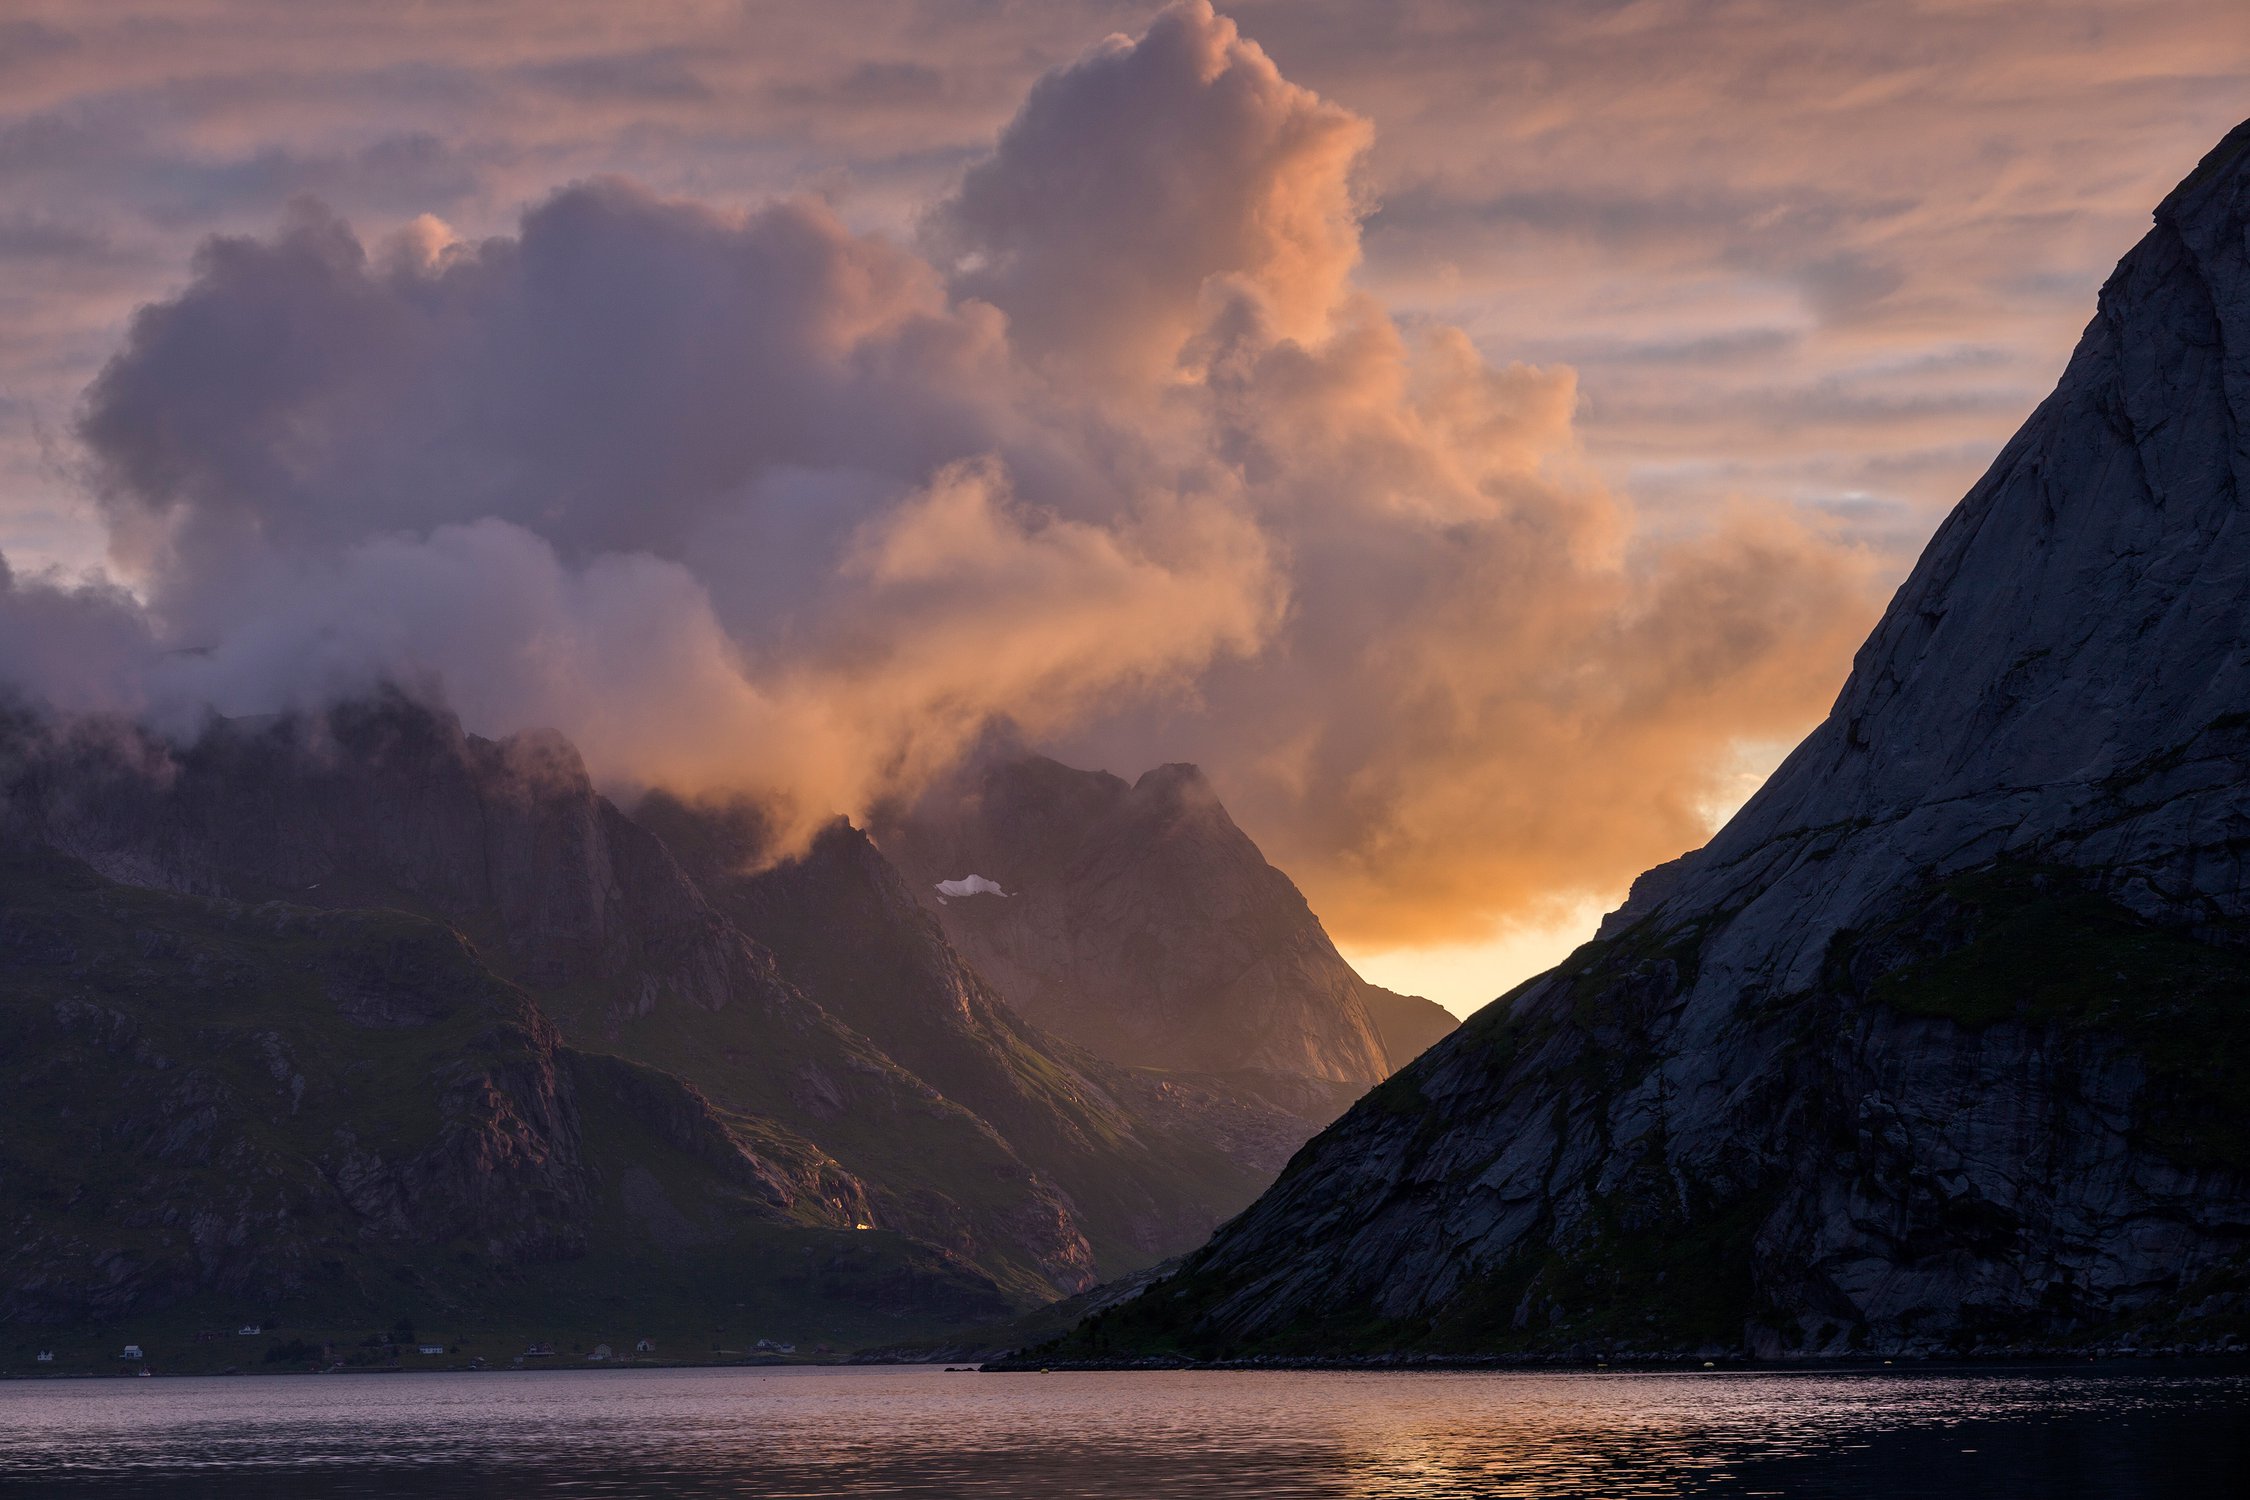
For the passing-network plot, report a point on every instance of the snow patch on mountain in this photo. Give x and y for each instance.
(970, 885)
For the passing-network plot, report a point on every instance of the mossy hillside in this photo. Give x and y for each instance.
(827, 1292)
(812, 1091)
(139, 1025)
(2044, 948)
(845, 930)
(1007, 1158)
(934, 1170)
(945, 1169)
(927, 1166)
(139, 1038)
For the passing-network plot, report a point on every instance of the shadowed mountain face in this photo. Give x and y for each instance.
(813, 1015)
(1139, 921)
(1943, 1043)
(1143, 1178)
(226, 1110)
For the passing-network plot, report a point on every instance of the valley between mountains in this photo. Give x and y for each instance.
(352, 1021)
(1942, 1045)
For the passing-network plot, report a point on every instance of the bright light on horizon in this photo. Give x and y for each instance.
(1463, 977)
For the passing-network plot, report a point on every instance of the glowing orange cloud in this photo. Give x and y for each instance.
(1139, 433)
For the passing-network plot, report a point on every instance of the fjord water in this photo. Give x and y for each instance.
(1992, 1434)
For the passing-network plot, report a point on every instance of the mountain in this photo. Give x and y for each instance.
(1137, 920)
(1943, 1043)
(1143, 1178)
(1018, 1165)
(218, 1111)
(1406, 1025)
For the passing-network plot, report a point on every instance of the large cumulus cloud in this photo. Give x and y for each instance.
(1116, 453)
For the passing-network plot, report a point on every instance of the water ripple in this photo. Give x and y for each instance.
(1991, 1435)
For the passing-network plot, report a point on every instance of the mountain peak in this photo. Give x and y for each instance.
(1144, 925)
(1174, 777)
(2082, 610)
(1940, 1044)
(2223, 163)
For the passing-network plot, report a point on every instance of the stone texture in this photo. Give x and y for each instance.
(1141, 923)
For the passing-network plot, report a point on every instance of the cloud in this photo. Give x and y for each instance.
(1117, 454)
(1146, 177)
(77, 646)
(609, 376)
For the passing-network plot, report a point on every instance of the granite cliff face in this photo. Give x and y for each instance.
(1137, 920)
(1943, 1043)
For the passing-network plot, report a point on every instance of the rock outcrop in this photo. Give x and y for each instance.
(1943, 1043)
(1137, 920)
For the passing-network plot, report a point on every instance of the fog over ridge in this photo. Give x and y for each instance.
(1114, 452)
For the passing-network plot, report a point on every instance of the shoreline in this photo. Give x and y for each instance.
(2230, 1361)
(1643, 1364)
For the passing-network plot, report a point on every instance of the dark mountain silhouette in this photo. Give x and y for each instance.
(800, 1037)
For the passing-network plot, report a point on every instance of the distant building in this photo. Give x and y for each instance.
(46, 1356)
(430, 1348)
(248, 1331)
(601, 1351)
(645, 1346)
(539, 1349)
(132, 1351)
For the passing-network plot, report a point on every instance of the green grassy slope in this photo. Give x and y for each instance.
(328, 1122)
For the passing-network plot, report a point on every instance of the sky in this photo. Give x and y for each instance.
(1478, 435)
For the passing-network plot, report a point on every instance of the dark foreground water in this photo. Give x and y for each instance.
(1992, 1435)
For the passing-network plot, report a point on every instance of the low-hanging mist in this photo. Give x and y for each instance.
(1113, 453)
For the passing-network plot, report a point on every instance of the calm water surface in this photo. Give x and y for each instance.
(1993, 1435)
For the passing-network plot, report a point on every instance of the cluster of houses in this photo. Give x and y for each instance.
(601, 1351)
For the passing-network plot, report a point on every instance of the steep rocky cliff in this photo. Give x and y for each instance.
(1943, 1043)
(1142, 1178)
(1137, 920)
(934, 1111)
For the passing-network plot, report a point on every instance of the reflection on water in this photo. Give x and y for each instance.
(1994, 1435)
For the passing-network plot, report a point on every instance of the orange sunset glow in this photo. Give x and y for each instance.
(1477, 436)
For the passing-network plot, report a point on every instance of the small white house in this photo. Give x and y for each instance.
(249, 1331)
(46, 1356)
(429, 1348)
(645, 1346)
(601, 1351)
(132, 1351)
